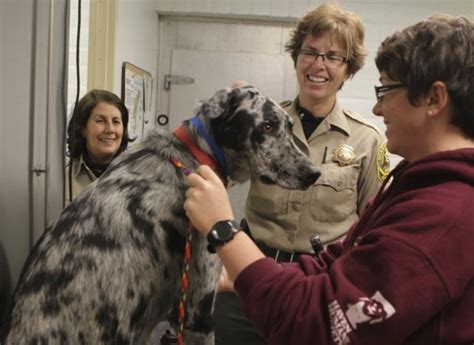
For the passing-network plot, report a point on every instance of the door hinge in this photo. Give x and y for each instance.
(38, 170)
(177, 80)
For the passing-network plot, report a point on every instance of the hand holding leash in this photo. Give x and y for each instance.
(207, 201)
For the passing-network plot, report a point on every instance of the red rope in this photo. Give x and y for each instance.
(185, 272)
(186, 263)
(184, 284)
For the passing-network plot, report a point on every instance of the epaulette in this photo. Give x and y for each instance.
(359, 118)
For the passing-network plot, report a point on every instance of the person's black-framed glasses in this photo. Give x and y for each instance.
(330, 59)
(381, 91)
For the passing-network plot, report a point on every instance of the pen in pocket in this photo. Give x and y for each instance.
(324, 155)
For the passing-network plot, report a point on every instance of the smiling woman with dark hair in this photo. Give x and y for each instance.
(97, 132)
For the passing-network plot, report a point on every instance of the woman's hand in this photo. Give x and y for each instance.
(207, 201)
(206, 204)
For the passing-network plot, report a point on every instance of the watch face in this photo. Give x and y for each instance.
(222, 231)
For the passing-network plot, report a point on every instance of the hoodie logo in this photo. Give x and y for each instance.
(340, 328)
(372, 310)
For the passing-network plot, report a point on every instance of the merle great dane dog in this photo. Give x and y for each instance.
(109, 269)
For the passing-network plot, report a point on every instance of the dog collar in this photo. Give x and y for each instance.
(216, 149)
(202, 157)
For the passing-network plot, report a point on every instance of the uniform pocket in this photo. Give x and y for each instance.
(267, 200)
(334, 194)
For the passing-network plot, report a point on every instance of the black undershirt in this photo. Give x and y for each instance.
(96, 168)
(309, 122)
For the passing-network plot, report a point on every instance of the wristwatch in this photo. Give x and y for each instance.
(221, 233)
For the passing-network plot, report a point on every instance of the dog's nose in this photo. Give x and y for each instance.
(311, 177)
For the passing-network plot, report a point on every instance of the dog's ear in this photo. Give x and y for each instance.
(231, 126)
(215, 106)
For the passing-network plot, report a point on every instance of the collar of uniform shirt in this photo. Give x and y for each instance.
(308, 121)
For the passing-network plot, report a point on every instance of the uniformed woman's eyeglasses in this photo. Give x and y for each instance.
(381, 91)
(330, 59)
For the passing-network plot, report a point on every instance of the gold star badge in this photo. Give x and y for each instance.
(344, 155)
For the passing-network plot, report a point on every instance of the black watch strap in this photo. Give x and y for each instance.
(221, 233)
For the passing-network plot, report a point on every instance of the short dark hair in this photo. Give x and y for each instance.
(346, 27)
(440, 48)
(76, 143)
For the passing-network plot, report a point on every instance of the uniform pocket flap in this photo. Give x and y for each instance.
(338, 178)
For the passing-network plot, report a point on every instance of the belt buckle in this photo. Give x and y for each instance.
(277, 254)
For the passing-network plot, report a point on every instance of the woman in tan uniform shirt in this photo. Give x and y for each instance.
(97, 132)
(327, 48)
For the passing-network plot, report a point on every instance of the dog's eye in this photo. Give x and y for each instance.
(267, 127)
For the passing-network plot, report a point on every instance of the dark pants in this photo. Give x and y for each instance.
(231, 325)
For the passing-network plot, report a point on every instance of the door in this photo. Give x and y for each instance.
(213, 70)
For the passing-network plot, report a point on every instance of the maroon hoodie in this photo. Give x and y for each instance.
(404, 274)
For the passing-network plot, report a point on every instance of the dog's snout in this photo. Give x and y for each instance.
(314, 176)
(311, 177)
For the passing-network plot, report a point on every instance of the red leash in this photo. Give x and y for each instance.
(184, 285)
(203, 158)
(186, 261)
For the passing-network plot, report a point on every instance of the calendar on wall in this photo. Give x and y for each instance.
(136, 94)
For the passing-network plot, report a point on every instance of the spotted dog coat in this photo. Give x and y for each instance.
(109, 269)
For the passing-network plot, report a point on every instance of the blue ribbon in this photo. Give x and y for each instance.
(216, 150)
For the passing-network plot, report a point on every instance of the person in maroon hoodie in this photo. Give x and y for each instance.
(405, 272)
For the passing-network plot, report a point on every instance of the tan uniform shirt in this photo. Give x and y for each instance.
(285, 219)
(82, 176)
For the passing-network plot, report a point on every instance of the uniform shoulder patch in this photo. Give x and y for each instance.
(382, 162)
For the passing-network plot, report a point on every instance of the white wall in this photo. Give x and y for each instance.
(382, 18)
(271, 8)
(137, 42)
(83, 52)
(384, 12)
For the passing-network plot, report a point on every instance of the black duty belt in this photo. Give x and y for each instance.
(277, 254)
